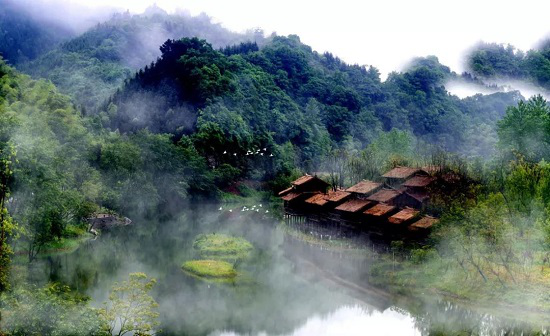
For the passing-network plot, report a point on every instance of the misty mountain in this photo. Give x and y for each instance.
(491, 61)
(286, 92)
(91, 66)
(23, 36)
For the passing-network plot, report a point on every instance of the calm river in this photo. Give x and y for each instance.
(294, 285)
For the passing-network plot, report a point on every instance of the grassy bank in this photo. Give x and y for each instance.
(524, 297)
(66, 244)
(422, 275)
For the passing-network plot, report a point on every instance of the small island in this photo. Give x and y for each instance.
(216, 269)
(217, 255)
(222, 246)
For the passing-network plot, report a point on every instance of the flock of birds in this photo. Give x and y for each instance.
(255, 208)
(261, 152)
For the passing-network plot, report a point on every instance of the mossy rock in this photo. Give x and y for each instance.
(211, 269)
(221, 246)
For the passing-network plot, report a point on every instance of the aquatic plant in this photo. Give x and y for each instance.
(221, 246)
(210, 269)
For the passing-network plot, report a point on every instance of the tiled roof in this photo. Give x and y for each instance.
(423, 223)
(419, 181)
(317, 199)
(337, 196)
(384, 195)
(284, 192)
(403, 216)
(364, 187)
(307, 178)
(303, 179)
(380, 209)
(291, 196)
(353, 205)
(401, 172)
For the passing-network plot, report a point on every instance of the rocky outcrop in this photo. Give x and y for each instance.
(104, 222)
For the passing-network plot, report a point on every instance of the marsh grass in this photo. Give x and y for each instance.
(436, 278)
(221, 246)
(217, 257)
(210, 268)
(213, 271)
(61, 245)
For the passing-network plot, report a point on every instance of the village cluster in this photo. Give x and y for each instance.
(396, 206)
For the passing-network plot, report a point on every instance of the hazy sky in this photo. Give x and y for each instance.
(383, 33)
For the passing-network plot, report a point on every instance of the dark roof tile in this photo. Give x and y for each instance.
(402, 172)
(419, 181)
(384, 195)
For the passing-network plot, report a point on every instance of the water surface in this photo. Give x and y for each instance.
(300, 280)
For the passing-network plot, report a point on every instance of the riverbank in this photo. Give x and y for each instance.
(526, 299)
(412, 277)
(57, 246)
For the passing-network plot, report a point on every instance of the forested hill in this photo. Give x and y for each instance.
(91, 66)
(278, 89)
(286, 92)
(24, 37)
(494, 61)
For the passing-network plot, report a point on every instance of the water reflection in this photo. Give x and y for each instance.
(304, 282)
(351, 321)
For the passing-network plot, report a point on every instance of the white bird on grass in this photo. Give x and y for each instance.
(220, 209)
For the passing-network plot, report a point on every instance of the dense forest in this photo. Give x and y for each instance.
(275, 89)
(90, 66)
(24, 37)
(146, 115)
(498, 61)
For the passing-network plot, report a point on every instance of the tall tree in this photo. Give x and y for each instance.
(525, 129)
(131, 309)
